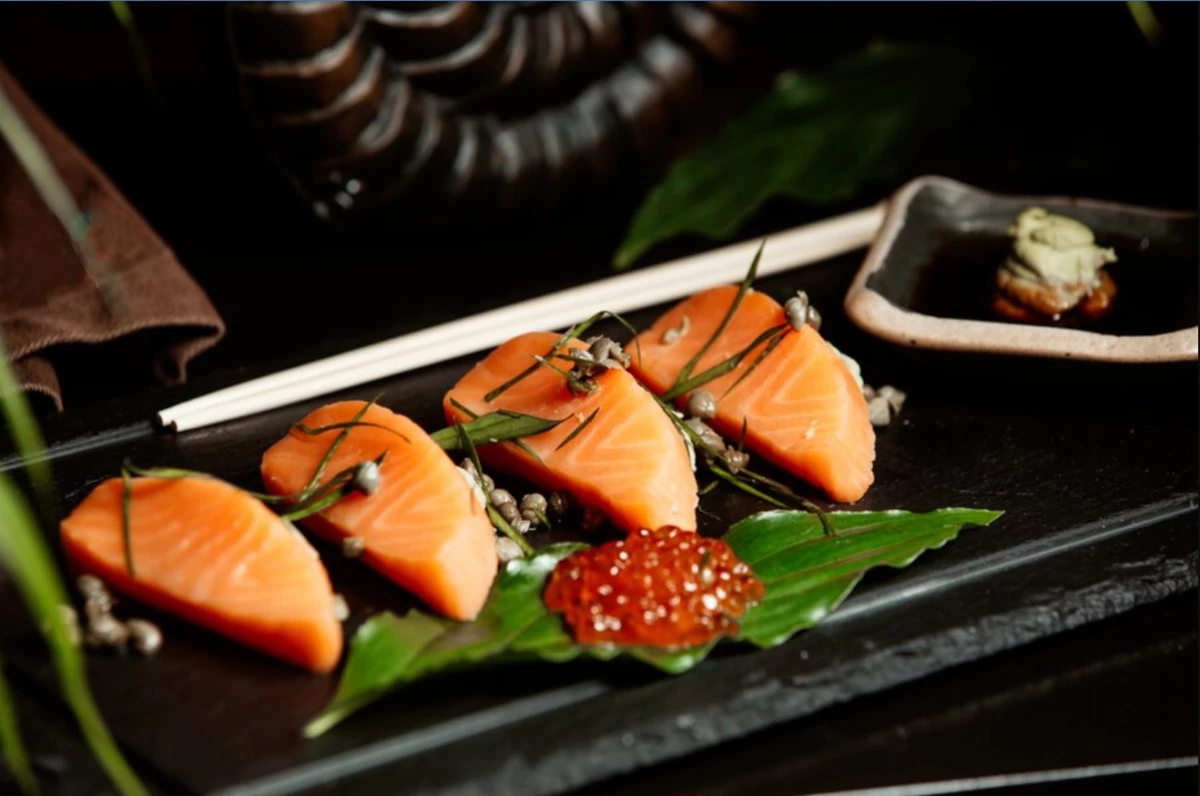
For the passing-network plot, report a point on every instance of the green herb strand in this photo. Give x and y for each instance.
(493, 514)
(329, 493)
(575, 432)
(509, 531)
(744, 288)
(734, 481)
(579, 386)
(177, 473)
(337, 443)
(771, 345)
(575, 331)
(469, 446)
(319, 430)
(725, 366)
(126, 512)
(798, 500)
(499, 426)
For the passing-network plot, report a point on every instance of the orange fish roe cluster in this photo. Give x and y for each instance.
(664, 588)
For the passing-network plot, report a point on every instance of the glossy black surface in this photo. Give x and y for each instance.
(1109, 690)
(1071, 548)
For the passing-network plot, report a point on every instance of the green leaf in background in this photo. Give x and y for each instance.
(806, 572)
(815, 137)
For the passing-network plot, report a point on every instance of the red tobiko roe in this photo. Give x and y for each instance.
(664, 588)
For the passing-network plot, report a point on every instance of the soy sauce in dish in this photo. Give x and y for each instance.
(1156, 291)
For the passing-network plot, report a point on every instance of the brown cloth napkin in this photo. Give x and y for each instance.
(48, 301)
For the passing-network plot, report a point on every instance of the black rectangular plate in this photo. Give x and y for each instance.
(1099, 489)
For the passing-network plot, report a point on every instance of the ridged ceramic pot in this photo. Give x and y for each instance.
(418, 113)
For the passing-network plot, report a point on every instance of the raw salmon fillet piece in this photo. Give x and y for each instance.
(423, 527)
(213, 554)
(803, 409)
(630, 462)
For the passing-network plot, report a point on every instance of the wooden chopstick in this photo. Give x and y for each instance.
(626, 292)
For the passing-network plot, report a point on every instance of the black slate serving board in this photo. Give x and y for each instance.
(1098, 480)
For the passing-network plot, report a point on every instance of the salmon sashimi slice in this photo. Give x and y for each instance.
(211, 553)
(423, 527)
(628, 462)
(803, 409)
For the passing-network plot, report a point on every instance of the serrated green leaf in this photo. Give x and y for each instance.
(815, 137)
(807, 574)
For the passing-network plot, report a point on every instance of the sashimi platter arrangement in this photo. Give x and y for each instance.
(617, 440)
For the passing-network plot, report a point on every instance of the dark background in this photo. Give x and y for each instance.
(1066, 99)
(1071, 99)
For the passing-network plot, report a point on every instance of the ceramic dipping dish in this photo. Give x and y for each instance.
(927, 280)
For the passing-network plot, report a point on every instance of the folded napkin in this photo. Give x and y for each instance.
(158, 318)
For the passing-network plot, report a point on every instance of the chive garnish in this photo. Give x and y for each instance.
(575, 331)
(528, 425)
(747, 282)
(337, 443)
(509, 531)
(725, 366)
(743, 474)
(463, 409)
(175, 473)
(742, 437)
(803, 502)
(575, 432)
(762, 355)
(733, 480)
(319, 430)
(126, 512)
(711, 486)
(493, 515)
(327, 494)
(464, 439)
(576, 384)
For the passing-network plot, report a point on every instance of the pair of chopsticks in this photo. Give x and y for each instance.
(627, 292)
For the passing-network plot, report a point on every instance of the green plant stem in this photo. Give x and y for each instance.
(22, 427)
(54, 192)
(509, 531)
(27, 558)
(1146, 20)
(124, 15)
(15, 755)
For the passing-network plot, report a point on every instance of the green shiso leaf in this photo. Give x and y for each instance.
(807, 574)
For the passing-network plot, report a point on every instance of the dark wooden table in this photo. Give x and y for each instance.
(1118, 690)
